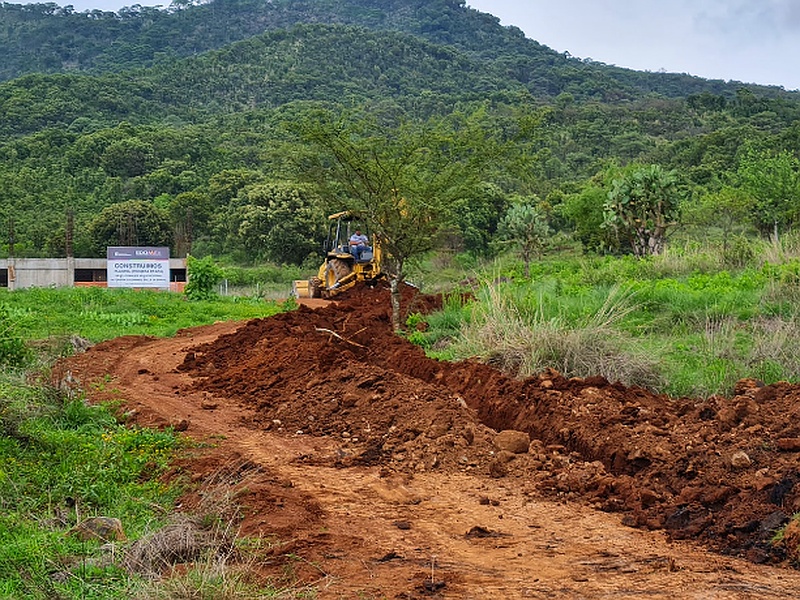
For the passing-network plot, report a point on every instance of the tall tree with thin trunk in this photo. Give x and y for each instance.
(402, 178)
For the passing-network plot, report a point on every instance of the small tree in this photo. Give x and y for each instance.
(526, 228)
(729, 209)
(774, 181)
(402, 178)
(642, 205)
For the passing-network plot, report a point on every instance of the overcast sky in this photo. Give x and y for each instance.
(753, 41)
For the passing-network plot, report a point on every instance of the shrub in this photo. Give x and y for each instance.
(204, 275)
(740, 253)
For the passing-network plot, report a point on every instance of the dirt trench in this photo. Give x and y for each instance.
(332, 395)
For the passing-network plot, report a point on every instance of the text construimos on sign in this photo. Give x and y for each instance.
(138, 267)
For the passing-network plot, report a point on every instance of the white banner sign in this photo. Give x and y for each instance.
(137, 267)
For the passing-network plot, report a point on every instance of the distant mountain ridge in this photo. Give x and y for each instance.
(44, 38)
(313, 63)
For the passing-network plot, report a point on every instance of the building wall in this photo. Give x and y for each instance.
(38, 272)
(58, 272)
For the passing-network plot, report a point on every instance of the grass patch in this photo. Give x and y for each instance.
(523, 331)
(677, 324)
(63, 460)
(98, 314)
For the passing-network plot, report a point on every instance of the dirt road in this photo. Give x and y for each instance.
(374, 471)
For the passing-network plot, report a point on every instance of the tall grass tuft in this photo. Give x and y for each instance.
(782, 250)
(775, 353)
(200, 556)
(524, 335)
(207, 579)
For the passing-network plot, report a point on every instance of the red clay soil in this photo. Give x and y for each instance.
(376, 467)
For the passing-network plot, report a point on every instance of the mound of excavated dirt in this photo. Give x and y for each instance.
(721, 470)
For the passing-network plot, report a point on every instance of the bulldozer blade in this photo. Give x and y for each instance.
(301, 288)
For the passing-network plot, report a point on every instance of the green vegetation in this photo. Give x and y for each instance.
(44, 38)
(131, 223)
(204, 275)
(402, 180)
(231, 128)
(654, 213)
(184, 126)
(642, 205)
(13, 352)
(62, 460)
(678, 323)
(98, 314)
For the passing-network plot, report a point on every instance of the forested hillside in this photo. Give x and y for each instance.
(309, 62)
(45, 38)
(216, 122)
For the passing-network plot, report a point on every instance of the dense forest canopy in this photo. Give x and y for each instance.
(194, 110)
(46, 38)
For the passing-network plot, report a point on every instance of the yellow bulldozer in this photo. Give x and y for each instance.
(344, 265)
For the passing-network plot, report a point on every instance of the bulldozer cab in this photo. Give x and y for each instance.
(341, 228)
(343, 266)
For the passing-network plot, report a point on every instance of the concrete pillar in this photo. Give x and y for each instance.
(12, 274)
(71, 271)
